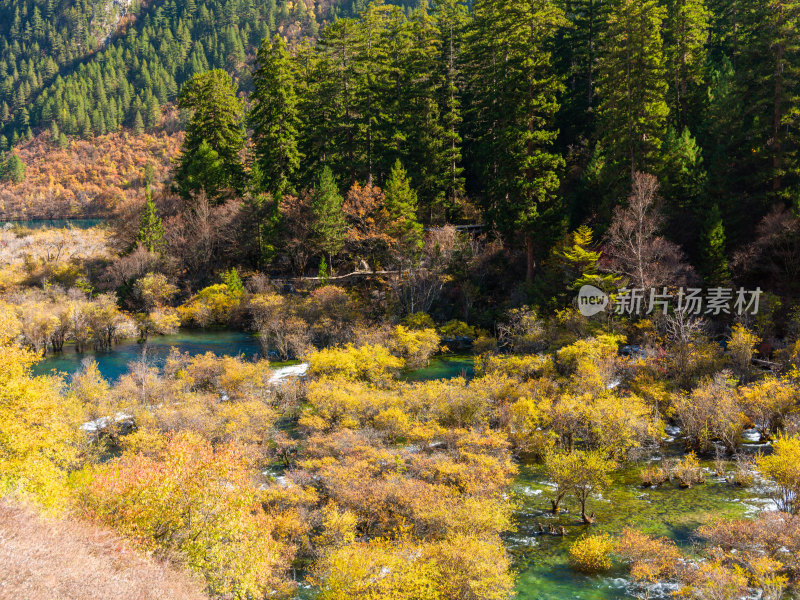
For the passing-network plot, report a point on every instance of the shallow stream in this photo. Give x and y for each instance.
(541, 560)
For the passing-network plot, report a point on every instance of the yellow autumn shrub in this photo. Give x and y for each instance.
(370, 363)
(592, 554)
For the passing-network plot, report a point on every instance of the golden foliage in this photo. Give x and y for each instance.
(767, 402)
(213, 305)
(782, 466)
(592, 554)
(711, 412)
(89, 178)
(688, 471)
(39, 434)
(374, 364)
(200, 502)
(651, 559)
(741, 347)
(415, 347)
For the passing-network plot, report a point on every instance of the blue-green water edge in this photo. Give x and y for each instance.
(541, 560)
(55, 223)
(543, 572)
(114, 363)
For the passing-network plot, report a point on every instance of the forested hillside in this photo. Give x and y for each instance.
(82, 70)
(86, 178)
(92, 68)
(530, 111)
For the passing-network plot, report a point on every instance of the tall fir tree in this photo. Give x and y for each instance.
(515, 91)
(214, 136)
(426, 153)
(685, 42)
(714, 264)
(401, 207)
(576, 58)
(13, 168)
(380, 40)
(387, 44)
(683, 180)
(451, 21)
(262, 221)
(769, 83)
(138, 123)
(151, 229)
(329, 225)
(632, 87)
(329, 111)
(274, 117)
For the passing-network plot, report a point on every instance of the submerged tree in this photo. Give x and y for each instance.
(581, 473)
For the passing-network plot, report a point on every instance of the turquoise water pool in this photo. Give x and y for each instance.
(55, 223)
(114, 363)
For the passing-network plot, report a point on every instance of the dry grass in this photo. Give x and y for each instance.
(44, 559)
(51, 246)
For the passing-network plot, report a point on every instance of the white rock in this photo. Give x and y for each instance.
(282, 373)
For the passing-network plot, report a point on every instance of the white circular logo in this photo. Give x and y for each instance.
(592, 301)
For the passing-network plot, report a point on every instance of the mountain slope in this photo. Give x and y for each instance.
(88, 178)
(93, 68)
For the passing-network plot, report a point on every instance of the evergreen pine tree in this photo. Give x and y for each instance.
(329, 225)
(451, 20)
(153, 112)
(14, 168)
(324, 271)
(330, 86)
(263, 223)
(234, 282)
(214, 136)
(632, 87)
(515, 94)
(714, 263)
(401, 206)
(686, 35)
(683, 175)
(769, 83)
(138, 123)
(151, 230)
(576, 57)
(275, 118)
(431, 144)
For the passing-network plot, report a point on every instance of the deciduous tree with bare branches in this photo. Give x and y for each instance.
(634, 246)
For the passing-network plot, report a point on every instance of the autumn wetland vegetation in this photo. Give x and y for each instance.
(366, 300)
